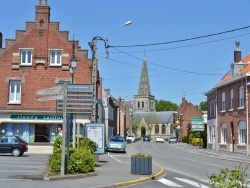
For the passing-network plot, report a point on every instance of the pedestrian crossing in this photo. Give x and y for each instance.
(183, 182)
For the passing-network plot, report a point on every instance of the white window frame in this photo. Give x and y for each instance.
(242, 132)
(223, 101)
(231, 99)
(55, 57)
(224, 133)
(15, 91)
(26, 57)
(241, 96)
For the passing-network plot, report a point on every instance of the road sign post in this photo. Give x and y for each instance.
(55, 93)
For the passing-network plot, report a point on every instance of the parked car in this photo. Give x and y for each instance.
(159, 139)
(116, 143)
(172, 139)
(130, 138)
(41, 138)
(146, 138)
(13, 144)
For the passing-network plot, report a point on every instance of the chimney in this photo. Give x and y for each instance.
(237, 53)
(1, 40)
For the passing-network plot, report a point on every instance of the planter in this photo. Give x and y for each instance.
(141, 165)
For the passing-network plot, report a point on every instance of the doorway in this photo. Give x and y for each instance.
(232, 136)
(41, 133)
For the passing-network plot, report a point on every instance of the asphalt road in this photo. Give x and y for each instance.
(183, 168)
(28, 166)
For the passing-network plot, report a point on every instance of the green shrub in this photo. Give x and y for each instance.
(87, 143)
(81, 161)
(197, 142)
(142, 155)
(229, 178)
(55, 160)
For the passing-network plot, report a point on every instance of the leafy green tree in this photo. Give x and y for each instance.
(203, 106)
(163, 105)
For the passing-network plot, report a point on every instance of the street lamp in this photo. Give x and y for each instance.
(125, 24)
(120, 116)
(93, 46)
(180, 119)
(72, 68)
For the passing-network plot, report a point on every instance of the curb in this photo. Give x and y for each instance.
(63, 177)
(151, 177)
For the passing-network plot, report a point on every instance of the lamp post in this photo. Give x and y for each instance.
(180, 131)
(119, 115)
(93, 46)
(72, 67)
(247, 116)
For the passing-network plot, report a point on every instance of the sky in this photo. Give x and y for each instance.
(188, 44)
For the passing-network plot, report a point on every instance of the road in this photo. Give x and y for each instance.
(182, 167)
(29, 166)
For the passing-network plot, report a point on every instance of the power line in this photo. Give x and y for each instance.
(181, 40)
(185, 46)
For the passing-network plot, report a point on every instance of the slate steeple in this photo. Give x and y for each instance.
(144, 101)
(144, 86)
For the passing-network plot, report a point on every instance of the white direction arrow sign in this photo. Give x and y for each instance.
(50, 98)
(51, 91)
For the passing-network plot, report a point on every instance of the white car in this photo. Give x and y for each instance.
(131, 138)
(159, 139)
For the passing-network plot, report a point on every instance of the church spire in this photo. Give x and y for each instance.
(144, 87)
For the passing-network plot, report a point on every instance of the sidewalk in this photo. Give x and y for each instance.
(224, 155)
(112, 170)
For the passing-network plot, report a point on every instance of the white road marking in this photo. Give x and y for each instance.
(189, 159)
(169, 183)
(158, 150)
(213, 164)
(190, 182)
(114, 158)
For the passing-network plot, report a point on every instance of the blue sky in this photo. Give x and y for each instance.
(181, 69)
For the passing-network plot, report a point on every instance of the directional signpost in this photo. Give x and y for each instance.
(197, 123)
(54, 93)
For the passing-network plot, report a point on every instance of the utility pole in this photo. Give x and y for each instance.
(93, 46)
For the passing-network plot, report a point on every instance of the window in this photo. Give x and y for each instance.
(223, 133)
(163, 129)
(242, 133)
(26, 57)
(142, 105)
(231, 99)
(15, 91)
(55, 57)
(157, 129)
(138, 105)
(223, 97)
(241, 96)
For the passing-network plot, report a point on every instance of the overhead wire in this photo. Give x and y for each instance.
(181, 40)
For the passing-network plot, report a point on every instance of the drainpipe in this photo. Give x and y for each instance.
(247, 113)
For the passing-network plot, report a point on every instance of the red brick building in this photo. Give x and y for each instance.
(184, 115)
(228, 113)
(38, 58)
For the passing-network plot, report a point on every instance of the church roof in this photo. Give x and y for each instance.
(164, 117)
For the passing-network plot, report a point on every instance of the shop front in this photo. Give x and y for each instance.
(34, 128)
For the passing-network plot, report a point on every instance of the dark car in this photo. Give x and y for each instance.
(13, 144)
(146, 138)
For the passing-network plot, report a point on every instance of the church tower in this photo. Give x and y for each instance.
(144, 101)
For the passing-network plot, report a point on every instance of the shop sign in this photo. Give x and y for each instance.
(37, 117)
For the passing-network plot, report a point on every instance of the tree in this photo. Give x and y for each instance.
(163, 105)
(203, 106)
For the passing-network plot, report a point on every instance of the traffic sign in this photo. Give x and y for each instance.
(51, 91)
(50, 98)
(197, 124)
